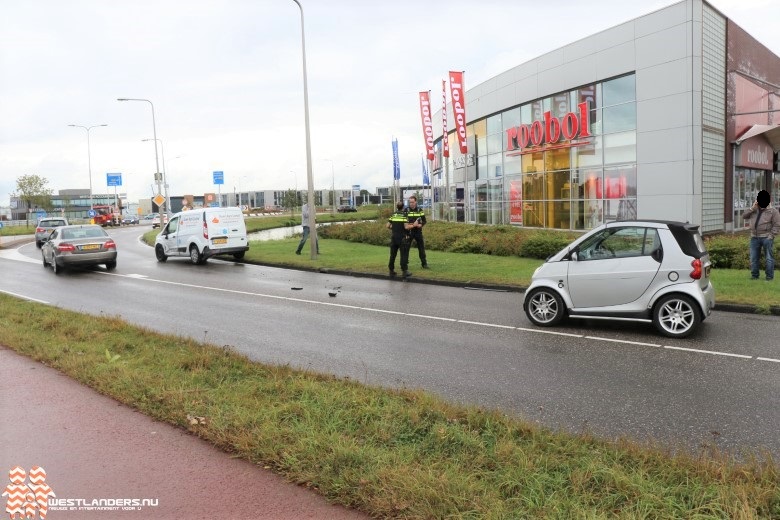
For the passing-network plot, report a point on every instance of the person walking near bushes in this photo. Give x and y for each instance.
(416, 217)
(305, 222)
(764, 227)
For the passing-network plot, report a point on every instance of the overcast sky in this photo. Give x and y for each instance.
(225, 77)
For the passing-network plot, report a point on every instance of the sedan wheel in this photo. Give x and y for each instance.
(676, 316)
(45, 263)
(545, 307)
(55, 266)
(159, 252)
(110, 266)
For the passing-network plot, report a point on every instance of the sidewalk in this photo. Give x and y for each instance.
(93, 447)
(15, 240)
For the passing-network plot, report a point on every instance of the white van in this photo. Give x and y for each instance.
(202, 233)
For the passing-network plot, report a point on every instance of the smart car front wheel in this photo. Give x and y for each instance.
(676, 316)
(544, 307)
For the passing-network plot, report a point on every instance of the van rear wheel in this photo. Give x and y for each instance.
(195, 256)
(239, 255)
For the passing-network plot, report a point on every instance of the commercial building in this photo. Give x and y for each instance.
(673, 115)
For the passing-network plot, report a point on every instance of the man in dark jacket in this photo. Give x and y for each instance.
(416, 217)
(400, 226)
(763, 229)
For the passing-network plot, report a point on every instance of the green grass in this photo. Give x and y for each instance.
(392, 454)
(9, 231)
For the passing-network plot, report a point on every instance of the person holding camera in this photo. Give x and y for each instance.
(399, 241)
(763, 229)
(416, 217)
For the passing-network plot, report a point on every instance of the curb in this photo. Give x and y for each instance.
(15, 240)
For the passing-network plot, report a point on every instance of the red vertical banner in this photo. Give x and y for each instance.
(516, 202)
(427, 123)
(458, 95)
(445, 142)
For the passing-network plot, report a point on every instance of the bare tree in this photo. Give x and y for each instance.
(32, 190)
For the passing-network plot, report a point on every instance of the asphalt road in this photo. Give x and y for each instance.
(720, 386)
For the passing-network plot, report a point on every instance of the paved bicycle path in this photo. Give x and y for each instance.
(93, 447)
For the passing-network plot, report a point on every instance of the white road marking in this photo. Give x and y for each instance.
(14, 254)
(24, 297)
(540, 331)
(709, 352)
(385, 311)
(623, 341)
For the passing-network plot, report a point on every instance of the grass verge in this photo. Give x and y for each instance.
(403, 454)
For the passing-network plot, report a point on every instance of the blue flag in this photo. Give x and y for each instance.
(396, 162)
(426, 177)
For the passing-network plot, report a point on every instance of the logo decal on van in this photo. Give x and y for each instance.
(215, 220)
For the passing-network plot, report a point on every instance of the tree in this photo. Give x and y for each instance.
(290, 200)
(32, 190)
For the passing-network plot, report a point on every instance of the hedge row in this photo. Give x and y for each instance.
(461, 238)
(733, 251)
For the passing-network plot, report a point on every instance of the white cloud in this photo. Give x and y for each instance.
(226, 81)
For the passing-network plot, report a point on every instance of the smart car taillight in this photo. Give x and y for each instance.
(696, 273)
(110, 244)
(66, 248)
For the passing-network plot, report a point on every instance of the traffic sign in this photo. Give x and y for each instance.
(92, 213)
(1, 225)
(114, 179)
(219, 177)
(159, 199)
(40, 214)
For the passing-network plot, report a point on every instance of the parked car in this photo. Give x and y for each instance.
(347, 209)
(202, 233)
(648, 271)
(46, 226)
(78, 246)
(129, 219)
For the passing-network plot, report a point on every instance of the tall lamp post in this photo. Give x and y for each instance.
(157, 173)
(167, 203)
(312, 211)
(89, 160)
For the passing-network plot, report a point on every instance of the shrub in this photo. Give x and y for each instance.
(732, 251)
(543, 245)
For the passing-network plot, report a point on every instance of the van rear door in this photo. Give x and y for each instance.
(226, 228)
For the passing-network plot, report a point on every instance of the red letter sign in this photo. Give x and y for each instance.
(458, 94)
(427, 123)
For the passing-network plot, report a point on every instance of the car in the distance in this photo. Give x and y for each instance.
(129, 219)
(647, 271)
(46, 226)
(156, 220)
(81, 246)
(347, 209)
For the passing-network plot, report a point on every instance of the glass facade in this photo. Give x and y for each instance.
(569, 184)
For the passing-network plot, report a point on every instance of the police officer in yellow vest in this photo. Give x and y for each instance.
(400, 226)
(416, 216)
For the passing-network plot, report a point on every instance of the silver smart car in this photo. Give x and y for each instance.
(648, 271)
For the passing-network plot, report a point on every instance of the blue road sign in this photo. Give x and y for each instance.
(92, 213)
(40, 214)
(219, 177)
(114, 179)
(1, 225)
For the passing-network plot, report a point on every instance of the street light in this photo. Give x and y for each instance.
(89, 160)
(309, 178)
(156, 157)
(164, 173)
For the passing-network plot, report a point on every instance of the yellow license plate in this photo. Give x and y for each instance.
(90, 246)
(219, 241)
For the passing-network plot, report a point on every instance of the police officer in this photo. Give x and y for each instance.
(416, 216)
(400, 226)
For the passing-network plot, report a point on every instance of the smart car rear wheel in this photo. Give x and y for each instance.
(545, 307)
(676, 316)
(159, 252)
